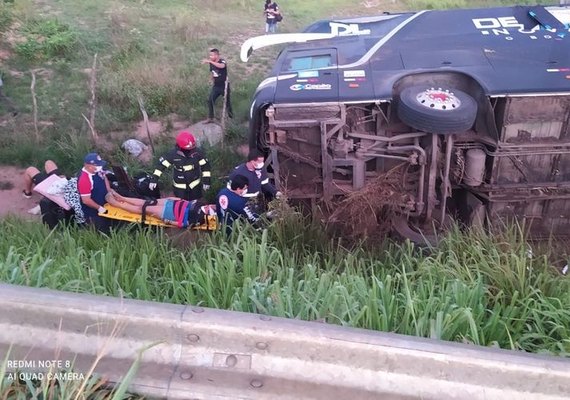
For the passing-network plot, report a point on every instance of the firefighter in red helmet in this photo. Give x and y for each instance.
(191, 169)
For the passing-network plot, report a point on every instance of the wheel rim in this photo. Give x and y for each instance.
(438, 99)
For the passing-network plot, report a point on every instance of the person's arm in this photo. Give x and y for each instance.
(206, 169)
(107, 183)
(220, 65)
(249, 214)
(266, 186)
(163, 164)
(89, 202)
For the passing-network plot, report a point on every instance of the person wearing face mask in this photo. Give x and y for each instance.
(258, 181)
(191, 175)
(93, 186)
(232, 204)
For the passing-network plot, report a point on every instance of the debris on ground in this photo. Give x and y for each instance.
(134, 147)
(367, 212)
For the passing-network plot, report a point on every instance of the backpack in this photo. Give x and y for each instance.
(142, 182)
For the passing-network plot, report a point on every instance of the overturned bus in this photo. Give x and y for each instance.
(473, 106)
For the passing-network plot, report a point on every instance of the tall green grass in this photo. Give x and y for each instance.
(474, 288)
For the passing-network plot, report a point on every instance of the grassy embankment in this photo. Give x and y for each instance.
(475, 288)
(481, 289)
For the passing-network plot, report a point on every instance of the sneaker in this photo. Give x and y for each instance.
(27, 195)
(35, 211)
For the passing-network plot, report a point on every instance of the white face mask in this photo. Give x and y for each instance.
(98, 168)
(258, 165)
(244, 192)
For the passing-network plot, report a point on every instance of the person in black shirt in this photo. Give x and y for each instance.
(219, 71)
(258, 181)
(271, 11)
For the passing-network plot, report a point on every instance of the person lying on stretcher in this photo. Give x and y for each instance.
(173, 211)
(230, 206)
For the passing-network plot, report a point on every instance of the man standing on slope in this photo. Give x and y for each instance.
(219, 71)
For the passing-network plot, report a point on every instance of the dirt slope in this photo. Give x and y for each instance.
(11, 199)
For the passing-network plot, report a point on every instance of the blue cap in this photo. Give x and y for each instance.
(94, 159)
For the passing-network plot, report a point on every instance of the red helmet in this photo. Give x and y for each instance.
(185, 140)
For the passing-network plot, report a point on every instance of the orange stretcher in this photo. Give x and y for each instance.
(210, 222)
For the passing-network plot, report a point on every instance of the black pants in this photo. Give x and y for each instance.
(101, 224)
(216, 92)
(42, 176)
(189, 194)
(53, 214)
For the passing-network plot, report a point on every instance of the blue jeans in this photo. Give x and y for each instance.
(271, 27)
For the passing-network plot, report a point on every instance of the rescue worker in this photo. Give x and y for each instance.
(258, 181)
(191, 169)
(232, 204)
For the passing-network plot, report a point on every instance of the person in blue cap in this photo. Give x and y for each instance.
(93, 186)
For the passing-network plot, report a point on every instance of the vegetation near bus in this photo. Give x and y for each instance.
(486, 289)
(476, 288)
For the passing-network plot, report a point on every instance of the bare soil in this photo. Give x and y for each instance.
(11, 200)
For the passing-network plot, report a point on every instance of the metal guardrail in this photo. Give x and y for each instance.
(202, 353)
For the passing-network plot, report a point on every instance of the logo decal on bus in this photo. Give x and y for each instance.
(340, 29)
(509, 26)
(309, 86)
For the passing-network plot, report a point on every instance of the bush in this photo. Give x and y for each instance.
(6, 17)
(129, 52)
(47, 39)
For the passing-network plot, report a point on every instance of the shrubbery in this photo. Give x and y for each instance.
(6, 17)
(46, 39)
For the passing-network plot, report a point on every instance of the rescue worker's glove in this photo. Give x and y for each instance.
(152, 186)
(205, 187)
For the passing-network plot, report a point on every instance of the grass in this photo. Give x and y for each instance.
(475, 288)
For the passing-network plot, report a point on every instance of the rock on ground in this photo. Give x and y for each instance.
(207, 133)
